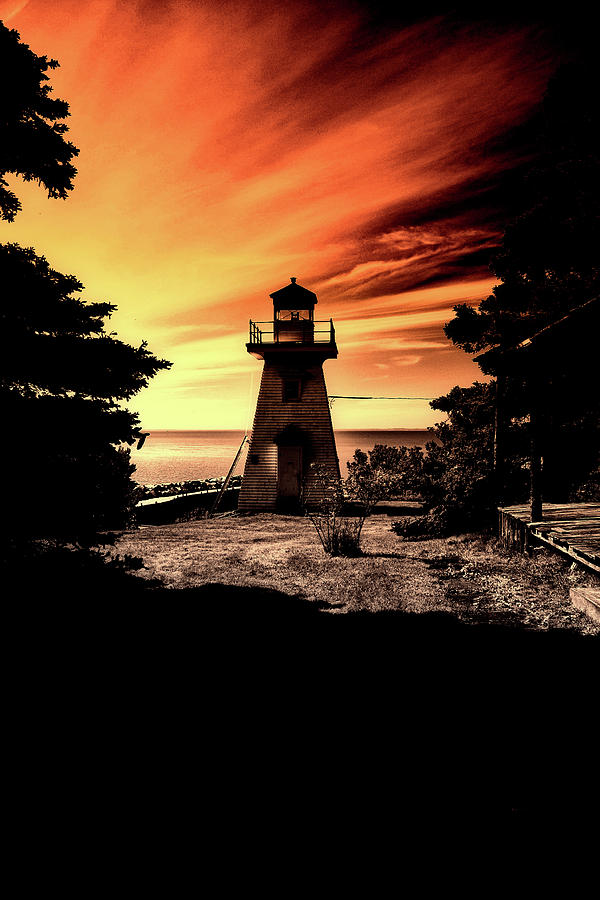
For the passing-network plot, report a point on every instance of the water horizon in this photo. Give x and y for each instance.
(243, 430)
(185, 454)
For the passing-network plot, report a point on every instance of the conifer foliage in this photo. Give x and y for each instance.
(62, 379)
(64, 455)
(548, 260)
(33, 145)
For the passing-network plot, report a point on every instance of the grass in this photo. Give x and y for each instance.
(470, 577)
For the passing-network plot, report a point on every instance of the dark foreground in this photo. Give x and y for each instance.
(265, 701)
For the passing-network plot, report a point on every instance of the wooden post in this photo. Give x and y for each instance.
(499, 440)
(225, 484)
(535, 447)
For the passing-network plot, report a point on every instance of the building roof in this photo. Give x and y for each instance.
(293, 296)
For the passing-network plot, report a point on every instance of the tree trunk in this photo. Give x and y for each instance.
(535, 428)
(499, 440)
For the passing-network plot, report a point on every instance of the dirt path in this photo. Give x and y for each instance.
(468, 576)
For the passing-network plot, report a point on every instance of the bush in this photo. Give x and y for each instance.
(454, 476)
(386, 472)
(432, 524)
(338, 532)
(340, 514)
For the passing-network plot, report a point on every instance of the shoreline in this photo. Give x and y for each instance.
(168, 489)
(152, 431)
(173, 457)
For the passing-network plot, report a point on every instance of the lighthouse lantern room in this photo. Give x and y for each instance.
(292, 442)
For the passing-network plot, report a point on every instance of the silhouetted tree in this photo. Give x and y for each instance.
(454, 476)
(548, 265)
(66, 465)
(548, 262)
(32, 142)
(64, 457)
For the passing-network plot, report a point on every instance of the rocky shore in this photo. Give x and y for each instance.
(178, 488)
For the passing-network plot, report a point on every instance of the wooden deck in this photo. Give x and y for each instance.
(570, 528)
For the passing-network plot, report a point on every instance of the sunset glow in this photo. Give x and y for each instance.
(225, 147)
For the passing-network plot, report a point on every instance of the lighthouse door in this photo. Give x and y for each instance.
(289, 474)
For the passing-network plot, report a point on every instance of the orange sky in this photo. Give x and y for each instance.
(228, 146)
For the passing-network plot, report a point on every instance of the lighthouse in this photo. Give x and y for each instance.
(292, 444)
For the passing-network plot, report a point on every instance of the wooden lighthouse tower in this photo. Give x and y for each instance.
(292, 424)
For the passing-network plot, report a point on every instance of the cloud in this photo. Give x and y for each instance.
(410, 360)
(9, 10)
(225, 147)
(410, 257)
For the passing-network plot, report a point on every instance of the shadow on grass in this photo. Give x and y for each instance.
(86, 579)
(257, 678)
(80, 605)
(431, 637)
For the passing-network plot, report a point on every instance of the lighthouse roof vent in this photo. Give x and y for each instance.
(293, 296)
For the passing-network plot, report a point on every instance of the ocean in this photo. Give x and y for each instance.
(169, 456)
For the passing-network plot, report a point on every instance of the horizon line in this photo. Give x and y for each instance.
(415, 428)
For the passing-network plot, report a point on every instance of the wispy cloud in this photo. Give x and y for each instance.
(226, 146)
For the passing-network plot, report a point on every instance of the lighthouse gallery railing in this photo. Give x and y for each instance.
(298, 332)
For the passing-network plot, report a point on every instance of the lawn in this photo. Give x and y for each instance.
(471, 577)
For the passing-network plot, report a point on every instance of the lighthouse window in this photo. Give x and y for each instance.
(291, 389)
(294, 315)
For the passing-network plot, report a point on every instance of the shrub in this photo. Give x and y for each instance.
(338, 532)
(343, 507)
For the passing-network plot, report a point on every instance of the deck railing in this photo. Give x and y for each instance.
(292, 332)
